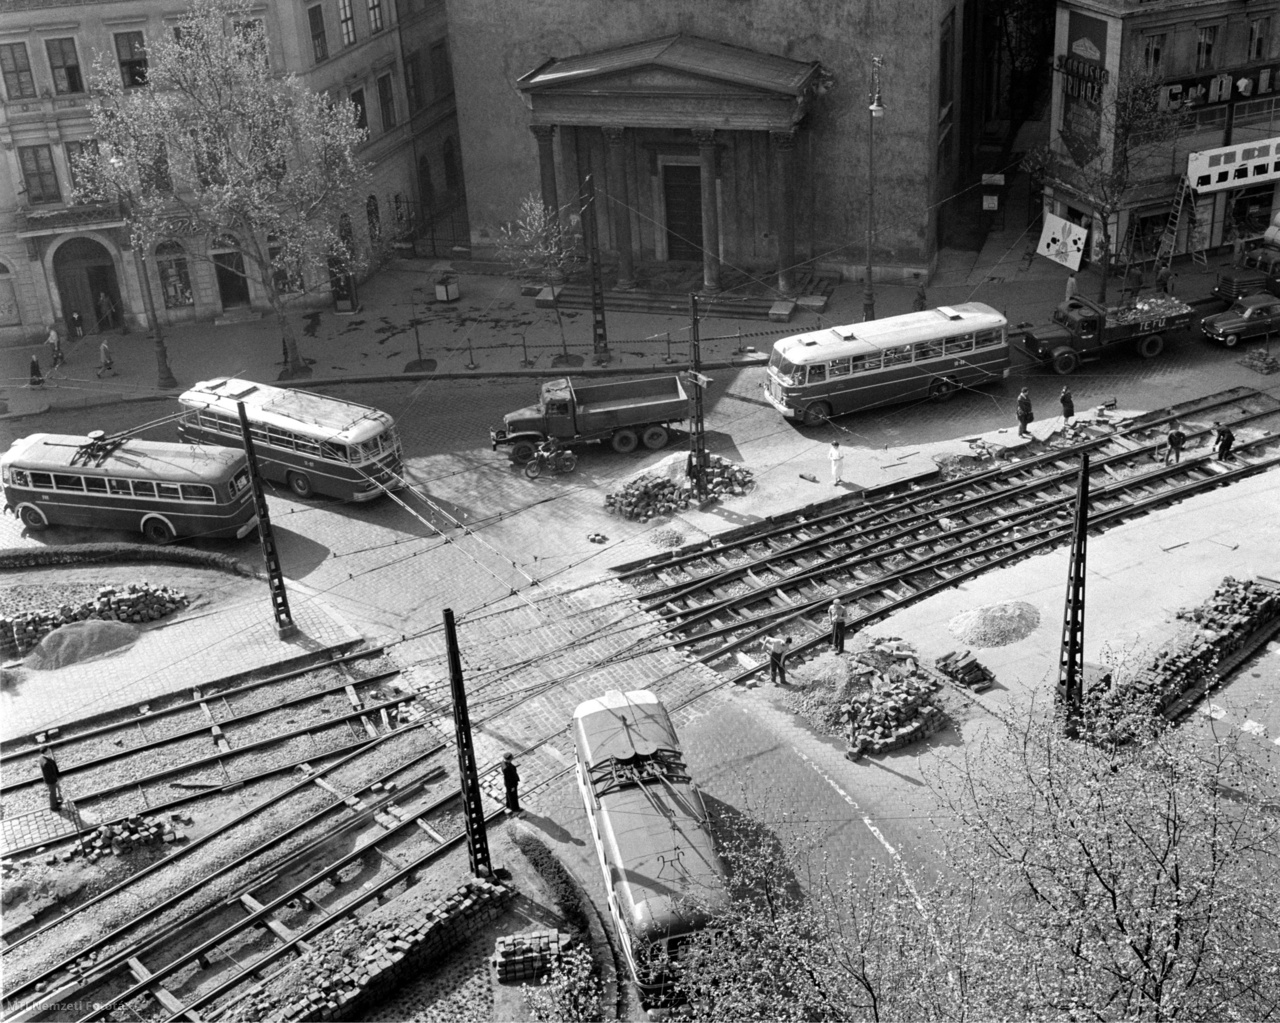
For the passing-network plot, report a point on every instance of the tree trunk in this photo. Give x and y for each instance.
(1106, 258)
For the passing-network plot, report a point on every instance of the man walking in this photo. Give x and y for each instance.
(36, 374)
(778, 650)
(1024, 413)
(52, 777)
(55, 352)
(511, 779)
(838, 619)
(921, 302)
(1223, 440)
(1174, 444)
(1068, 406)
(1071, 286)
(836, 454)
(105, 365)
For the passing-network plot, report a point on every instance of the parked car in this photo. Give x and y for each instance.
(1250, 317)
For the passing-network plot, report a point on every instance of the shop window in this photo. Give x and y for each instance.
(65, 65)
(175, 278)
(131, 52)
(16, 65)
(38, 174)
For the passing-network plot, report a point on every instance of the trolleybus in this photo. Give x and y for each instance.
(163, 490)
(663, 877)
(930, 354)
(309, 442)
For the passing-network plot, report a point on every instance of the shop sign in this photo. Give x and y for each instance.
(1084, 73)
(1246, 163)
(1247, 83)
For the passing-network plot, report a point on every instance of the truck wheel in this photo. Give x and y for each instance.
(817, 413)
(1231, 340)
(1065, 362)
(943, 389)
(625, 441)
(655, 438)
(521, 451)
(1151, 346)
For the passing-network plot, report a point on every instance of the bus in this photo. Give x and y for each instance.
(311, 443)
(930, 354)
(662, 875)
(161, 489)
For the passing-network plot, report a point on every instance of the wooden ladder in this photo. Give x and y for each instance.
(1169, 239)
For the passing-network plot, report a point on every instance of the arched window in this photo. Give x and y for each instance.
(375, 218)
(225, 243)
(175, 279)
(452, 171)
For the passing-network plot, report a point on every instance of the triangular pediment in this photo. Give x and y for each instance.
(653, 81)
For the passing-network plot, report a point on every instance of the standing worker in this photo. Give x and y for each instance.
(1071, 286)
(921, 301)
(511, 779)
(837, 613)
(52, 777)
(1164, 279)
(1068, 406)
(778, 649)
(1024, 413)
(1174, 444)
(836, 454)
(1223, 440)
(106, 312)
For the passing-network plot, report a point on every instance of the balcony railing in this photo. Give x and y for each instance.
(61, 219)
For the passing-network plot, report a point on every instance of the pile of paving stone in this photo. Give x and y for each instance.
(128, 834)
(528, 956)
(1227, 623)
(898, 710)
(649, 495)
(964, 669)
(135, 603)
(1260, 361)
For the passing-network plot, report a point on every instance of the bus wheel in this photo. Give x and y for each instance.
(299, 484)
(655, 438)
(33, 518)
(521, 451)
(1231, 340)
(625, 441)
(1065, 362)
(943, 389)
(817, 413)
(157, 531)
(1151, 346)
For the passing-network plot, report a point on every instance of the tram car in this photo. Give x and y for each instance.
(662, 874)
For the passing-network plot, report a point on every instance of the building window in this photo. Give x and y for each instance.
(1205, 40)
(441, 73)
(77, 154)
(131, 52)
(346, 22)
(362, 115)
(375, 15)
(254, 34)
(39, 175)
(65, 66)
(413, 80)
(18, 82)
(1153, 52)
(319, 43)
(375, 218)
(175, 278)
(386, 103)
(1259, 38)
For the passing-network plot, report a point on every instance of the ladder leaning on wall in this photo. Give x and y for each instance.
(1169, 239)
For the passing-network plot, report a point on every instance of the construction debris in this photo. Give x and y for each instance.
(995, 624)
(898, 708)
(134, 604)
(652, 494)
(964, 669)
(528, 956)
(128, 834)
(1260, 360)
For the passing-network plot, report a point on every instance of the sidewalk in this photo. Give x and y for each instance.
(493, 329)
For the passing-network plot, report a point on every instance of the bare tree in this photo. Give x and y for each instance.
(218, 143)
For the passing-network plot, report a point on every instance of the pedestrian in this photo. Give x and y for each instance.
(55, 351)
(37, 375)
(1071, 286)
(836, 454)
(75, 329)
(1223, 440)
(1068, 405)
(1237, 249)
(1024, 413)
(105, 365)
(52, 777)
(1133, 283)
(921, 302)
(106, 311)
(778, 649)
(511, 779)
(838, 618)
(1174, 443)
(1164, 279)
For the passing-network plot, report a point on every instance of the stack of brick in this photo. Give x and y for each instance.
(1260, 360)
(528, 956)
(130, 833)
(339, 984)
(135, 603)
(648, 495)
(964, 669)
(898, 711)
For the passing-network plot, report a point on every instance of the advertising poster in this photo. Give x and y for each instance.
(1084, 74)
(1062, 241)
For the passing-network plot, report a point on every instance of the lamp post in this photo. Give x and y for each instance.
(874, 109)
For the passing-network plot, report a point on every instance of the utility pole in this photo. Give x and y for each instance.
(472, 808)
(1070, 692)
(275, 573)
(591, 239)
(697, 466)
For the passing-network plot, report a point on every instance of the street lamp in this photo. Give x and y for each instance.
(874, 110)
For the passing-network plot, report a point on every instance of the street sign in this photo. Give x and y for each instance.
(691, 377)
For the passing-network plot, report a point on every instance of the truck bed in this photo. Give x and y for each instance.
(615, 394)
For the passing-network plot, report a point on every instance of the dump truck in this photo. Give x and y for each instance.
(626, 413)
(1083, 329)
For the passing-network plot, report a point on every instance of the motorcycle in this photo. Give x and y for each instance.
(560, 460)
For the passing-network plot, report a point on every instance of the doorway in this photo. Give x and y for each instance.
(233, 287)
(84, 269)
(682, 199)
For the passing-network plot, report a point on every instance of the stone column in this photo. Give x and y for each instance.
(620, 205)
(710, 211)
(545, 134)
(784, 152)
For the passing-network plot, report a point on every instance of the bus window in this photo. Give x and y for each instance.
(280, 438)
(20, 478)
(169, 491)
(337, 452)
(839, 367)
(120, 487)
(862, 363)
(897, 356)
(988, 338)
(68, 482)
(818, 373)
(956, 345)
(142, 488)
(239, 481)
(197, 492)
(259, 433)
(785, 369)
(308, 447)
(928, 350)
(95, 484)
(42, 481)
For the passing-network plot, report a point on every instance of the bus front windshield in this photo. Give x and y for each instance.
(786, 371)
